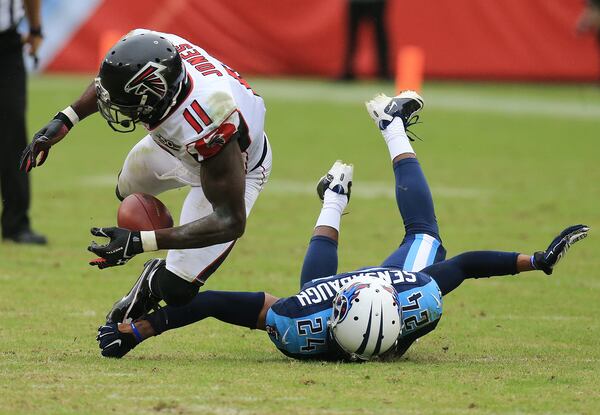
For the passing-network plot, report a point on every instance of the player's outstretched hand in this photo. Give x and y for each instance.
(547, 260)
(112, 342)
(102, 263)
(36, 152)
(124, 245)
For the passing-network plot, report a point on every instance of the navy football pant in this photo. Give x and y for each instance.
(14, 183)
(451, 273)
(239, 308)
(421, 246)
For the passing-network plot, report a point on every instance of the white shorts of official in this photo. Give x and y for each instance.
(150, 169)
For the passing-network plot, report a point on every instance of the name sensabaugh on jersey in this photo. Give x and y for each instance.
(328, 288)
(297, 324)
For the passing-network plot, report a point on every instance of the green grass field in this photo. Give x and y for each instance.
(509, 166)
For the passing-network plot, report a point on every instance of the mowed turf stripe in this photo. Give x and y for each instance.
(452, 99)
(562, 102)
(362, 190)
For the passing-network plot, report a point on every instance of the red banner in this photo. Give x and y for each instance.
(471, 39)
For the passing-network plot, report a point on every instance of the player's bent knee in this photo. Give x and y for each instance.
(172, 289)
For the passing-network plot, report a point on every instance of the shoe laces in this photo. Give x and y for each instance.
(413, 121)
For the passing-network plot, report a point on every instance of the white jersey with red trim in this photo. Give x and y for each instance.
(219, 105)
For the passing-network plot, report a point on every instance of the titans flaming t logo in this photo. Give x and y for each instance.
(148, 79)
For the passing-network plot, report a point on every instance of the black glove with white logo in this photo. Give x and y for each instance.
(124, 245)
(547, 260)
(112, 342)
(36, 152)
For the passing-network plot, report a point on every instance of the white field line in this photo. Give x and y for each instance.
(457, 100)
(514, 106)
(539, 318)
(360, 190)
(370, 190)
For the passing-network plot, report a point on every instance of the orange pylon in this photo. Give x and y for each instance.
(410, 66)
(107, 39)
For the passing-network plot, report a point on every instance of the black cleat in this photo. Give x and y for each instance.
(338, 179)
(27, 237)
(384, 109)
(140, 300)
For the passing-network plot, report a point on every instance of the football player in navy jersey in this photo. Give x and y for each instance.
(300, 325)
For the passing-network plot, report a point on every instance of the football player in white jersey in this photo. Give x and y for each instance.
(205, 130)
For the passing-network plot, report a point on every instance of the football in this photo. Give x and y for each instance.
(143, 212)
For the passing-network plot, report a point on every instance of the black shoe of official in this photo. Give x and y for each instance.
(27, 237)
(140, 300)
(405, 106)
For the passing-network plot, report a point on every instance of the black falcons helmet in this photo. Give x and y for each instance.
(139, 80)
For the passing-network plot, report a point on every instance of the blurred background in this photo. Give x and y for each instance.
(461, 39)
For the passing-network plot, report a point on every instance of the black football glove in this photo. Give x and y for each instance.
(547, 260)
(124, 245)
(51, 133)
(113, 343)
(102, 263)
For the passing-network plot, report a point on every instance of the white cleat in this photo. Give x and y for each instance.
(384, 109)
(338, 179)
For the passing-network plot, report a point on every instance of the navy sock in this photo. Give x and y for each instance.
(414, 198)
(239, 308)
(321, 259)
(451, 273)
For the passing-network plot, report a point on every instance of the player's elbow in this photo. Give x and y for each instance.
(239, 227)
(231, 223)
(236, 226)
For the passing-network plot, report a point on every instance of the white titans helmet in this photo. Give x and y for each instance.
(366, 318)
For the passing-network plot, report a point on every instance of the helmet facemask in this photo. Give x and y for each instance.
(121, 118)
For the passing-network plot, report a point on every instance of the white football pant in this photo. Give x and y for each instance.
(150, 169)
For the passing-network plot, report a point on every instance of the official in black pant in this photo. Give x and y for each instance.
(373, 11)
(14, 183)
(589, 20)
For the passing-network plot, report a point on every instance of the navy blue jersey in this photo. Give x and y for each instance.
(298, 324)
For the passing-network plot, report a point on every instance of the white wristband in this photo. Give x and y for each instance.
(148, 241)
(71, 115)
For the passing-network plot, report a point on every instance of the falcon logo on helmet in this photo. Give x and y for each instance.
(148, 79)
(139, 80)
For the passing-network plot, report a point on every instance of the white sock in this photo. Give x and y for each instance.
(396, 139)
(331, 212)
